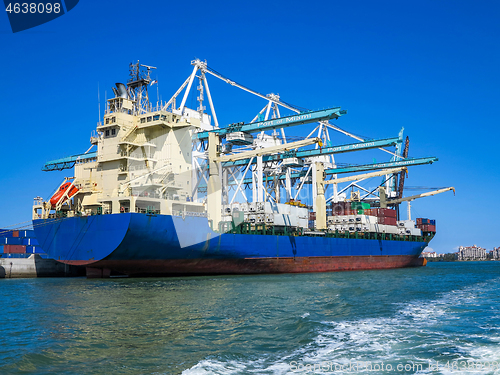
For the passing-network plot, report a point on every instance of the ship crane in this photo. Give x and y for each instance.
(281, 122)
(268, 150)
(384, 201)
(320, 204)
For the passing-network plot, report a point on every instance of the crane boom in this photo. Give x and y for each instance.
(267, 150)
(374, 143)
(278, 123)
(365, 175)
(384, 202)
(358, 168)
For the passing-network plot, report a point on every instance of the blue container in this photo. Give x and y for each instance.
(13, 241)
(27, 233)
(30, 241)
(16, 256)
(1, 249)
(433, 222)
(34, 250)
(5, 233)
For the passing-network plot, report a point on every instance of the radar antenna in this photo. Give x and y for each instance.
(138, 85)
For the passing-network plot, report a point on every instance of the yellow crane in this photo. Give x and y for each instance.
(384, 201)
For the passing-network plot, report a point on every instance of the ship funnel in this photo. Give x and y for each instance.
(122, 90)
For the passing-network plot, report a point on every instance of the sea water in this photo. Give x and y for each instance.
(439, 319)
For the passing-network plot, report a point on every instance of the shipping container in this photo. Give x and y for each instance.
(15, 233)
(386, 212)
(387, 220)
(27, 233)
(5, 233)
(30, 241)
(360, 206)
(371, 212)
(428, 228)
(12, 241)
(18, 256)
(340, 208)
(14, 249)
(34, 250)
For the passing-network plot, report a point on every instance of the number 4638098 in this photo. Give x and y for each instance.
(33, 8)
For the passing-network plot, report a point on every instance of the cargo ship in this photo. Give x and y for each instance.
(164, 190)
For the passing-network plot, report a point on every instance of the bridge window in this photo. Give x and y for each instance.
(107, 121)
(143, 120)
(106, 134)
(113, 131)
(149, 119)
(156, 117)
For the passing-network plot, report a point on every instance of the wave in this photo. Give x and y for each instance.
(454, 328)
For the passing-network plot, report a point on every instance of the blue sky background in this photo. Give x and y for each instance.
(430, 66)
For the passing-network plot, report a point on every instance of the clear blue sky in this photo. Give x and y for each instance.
(430, 66)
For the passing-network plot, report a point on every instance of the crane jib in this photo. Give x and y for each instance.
(282, 122)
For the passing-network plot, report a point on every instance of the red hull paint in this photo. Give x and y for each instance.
(251, 266)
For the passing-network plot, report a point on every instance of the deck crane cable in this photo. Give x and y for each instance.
(296, 107)
(302, 109)
(2, 232)
(18, 226)
(383, 183)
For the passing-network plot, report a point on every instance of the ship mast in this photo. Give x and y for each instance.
(138, 86)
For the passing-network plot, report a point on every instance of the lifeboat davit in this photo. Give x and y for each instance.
(59, 193)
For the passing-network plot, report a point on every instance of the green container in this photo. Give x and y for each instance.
(360, 206)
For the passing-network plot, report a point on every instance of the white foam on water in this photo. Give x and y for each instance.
(215, 367)
(395, 339)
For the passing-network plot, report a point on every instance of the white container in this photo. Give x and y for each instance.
(416, 232)
(410, 224)
(392, 229)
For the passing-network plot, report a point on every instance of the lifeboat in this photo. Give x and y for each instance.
(62, 190)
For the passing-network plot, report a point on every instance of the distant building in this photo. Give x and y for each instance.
(473, 252)
(495, 254)
(429, 254)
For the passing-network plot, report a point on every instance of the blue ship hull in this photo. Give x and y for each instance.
(140, 244)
